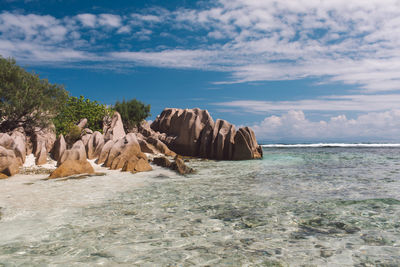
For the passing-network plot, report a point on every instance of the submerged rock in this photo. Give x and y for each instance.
(181, 167)
(162, 162)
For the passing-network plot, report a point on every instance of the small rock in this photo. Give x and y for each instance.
(162, 162)
(181, 167)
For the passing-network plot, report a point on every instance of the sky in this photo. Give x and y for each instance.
(295, 70)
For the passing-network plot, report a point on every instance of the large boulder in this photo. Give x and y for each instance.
(105, 151)
(85, 139)
(41, 155)
(72, 167)
(77, 152)
(43, 135)
(192, 132)
(186, 126)
(94, 145)
(222, 141)
(59, 148)
(15, 142)
(19, 147)
(146, 147)
(246, 146)
(131, 159)
(116, 129)
(126, 154)
(9, 163)
(160, 146)
(6, 141)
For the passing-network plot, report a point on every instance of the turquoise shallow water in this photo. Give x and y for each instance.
(296, 207)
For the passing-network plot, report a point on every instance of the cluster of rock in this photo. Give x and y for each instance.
(16, 145)
(190, 132)
(193, 132)
(114, 149)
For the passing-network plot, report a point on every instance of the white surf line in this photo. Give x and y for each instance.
(328, 145)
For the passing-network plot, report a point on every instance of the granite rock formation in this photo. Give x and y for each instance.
(193, 132)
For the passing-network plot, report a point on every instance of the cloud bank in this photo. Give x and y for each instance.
(354, 42)
(293, 126)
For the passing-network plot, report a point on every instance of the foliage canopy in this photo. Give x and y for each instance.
(133, 112)
(25, 99)
(76, 109)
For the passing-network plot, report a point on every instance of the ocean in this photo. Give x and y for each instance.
(313, 205)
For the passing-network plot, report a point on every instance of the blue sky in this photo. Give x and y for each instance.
(295, 71)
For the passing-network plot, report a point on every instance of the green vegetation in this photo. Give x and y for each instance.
(74, 134)
(133, 112)
(28, 101)
(25, 99)
(76, 109)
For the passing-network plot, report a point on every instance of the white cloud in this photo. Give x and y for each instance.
(354, 42)
(326, 103)
(88, 20)
(109, 20)
(166, 58)
(293, 126)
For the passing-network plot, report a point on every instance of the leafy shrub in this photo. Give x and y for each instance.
(74, 134)
(25, 99)
(133, 112)
(76, 109)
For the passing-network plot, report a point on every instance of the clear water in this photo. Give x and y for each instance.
(296, 207)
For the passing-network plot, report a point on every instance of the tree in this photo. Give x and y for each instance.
(76, 109)
(25, 99)
(133, 112)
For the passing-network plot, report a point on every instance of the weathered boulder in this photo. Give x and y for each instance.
(19, 146)
(72, 167)
(59, 148)
(115, 150)
(186, 126)
(222, 140)
(181, 167)
(246, 145)
(126, 154)
(43, 135)
(131, 159)
(146, 147)
(136, 165)
(77, 152)
(116, 129)
(6, 141)
(9, 163)
(94, 145)
(105, 151)
(194, 133)
(160, 146)
(41, 155)
(85, 139)
(82, 123)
